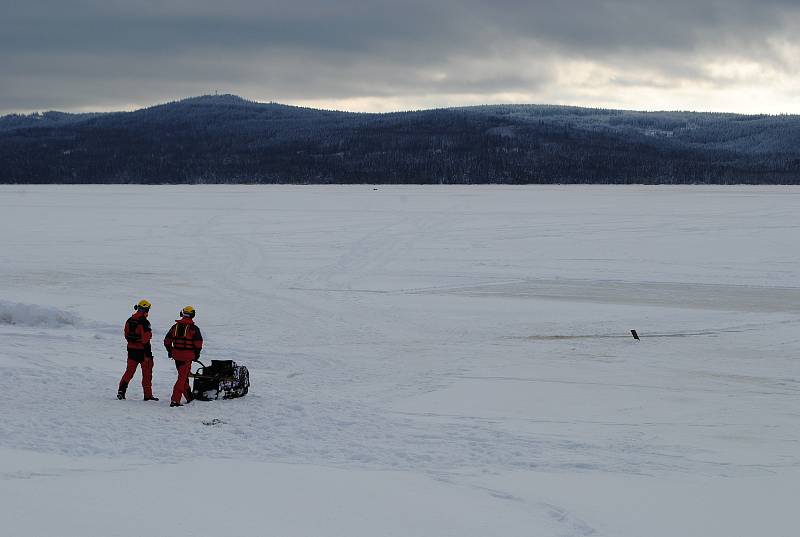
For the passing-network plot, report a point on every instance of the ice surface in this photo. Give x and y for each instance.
(424, 360)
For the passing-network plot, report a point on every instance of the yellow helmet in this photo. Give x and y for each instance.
(143, 305)
(188, 311)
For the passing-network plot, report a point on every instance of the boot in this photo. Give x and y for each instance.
(123, 387)
(173, 403)
(151, 398)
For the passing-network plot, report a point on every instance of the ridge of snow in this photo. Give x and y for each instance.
(14, 313)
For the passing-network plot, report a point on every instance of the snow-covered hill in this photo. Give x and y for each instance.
(425, 361)
(227, 139)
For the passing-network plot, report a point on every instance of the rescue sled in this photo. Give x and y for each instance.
(223, 379)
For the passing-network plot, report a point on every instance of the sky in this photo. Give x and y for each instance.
(703, 55)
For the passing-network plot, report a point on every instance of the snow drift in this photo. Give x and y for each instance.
(34, 315)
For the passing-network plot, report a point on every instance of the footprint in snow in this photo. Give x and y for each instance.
(215, 421)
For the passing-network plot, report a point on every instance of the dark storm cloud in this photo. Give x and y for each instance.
(71, 54)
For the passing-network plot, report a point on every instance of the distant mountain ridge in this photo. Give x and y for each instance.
(227, 139)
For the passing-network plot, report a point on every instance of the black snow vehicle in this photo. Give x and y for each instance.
(223, 379)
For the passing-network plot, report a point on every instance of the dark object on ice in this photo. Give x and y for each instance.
(223, 379)
(635, 335)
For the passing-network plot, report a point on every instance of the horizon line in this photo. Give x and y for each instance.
(135, 107)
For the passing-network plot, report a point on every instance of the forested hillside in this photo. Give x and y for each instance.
(227, 139)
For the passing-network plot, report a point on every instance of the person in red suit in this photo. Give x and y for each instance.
(138, 333)
(184, 343)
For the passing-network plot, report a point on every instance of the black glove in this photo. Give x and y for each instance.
(148, 350)
(169, 353)
(197, 354)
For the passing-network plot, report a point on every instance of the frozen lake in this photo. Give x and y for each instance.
(425, 360)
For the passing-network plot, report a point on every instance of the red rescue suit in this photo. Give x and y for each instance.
(184, 343)
(138, 334)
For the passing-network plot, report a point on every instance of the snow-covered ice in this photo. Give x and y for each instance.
(425, 360)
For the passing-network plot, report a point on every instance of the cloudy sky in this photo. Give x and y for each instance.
(721, 55)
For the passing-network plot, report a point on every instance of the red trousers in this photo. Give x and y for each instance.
(147, 375)
(184, 367)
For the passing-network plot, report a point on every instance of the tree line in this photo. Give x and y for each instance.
(225, 139)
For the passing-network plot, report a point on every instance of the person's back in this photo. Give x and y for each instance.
(137, 333)
(183, 342)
